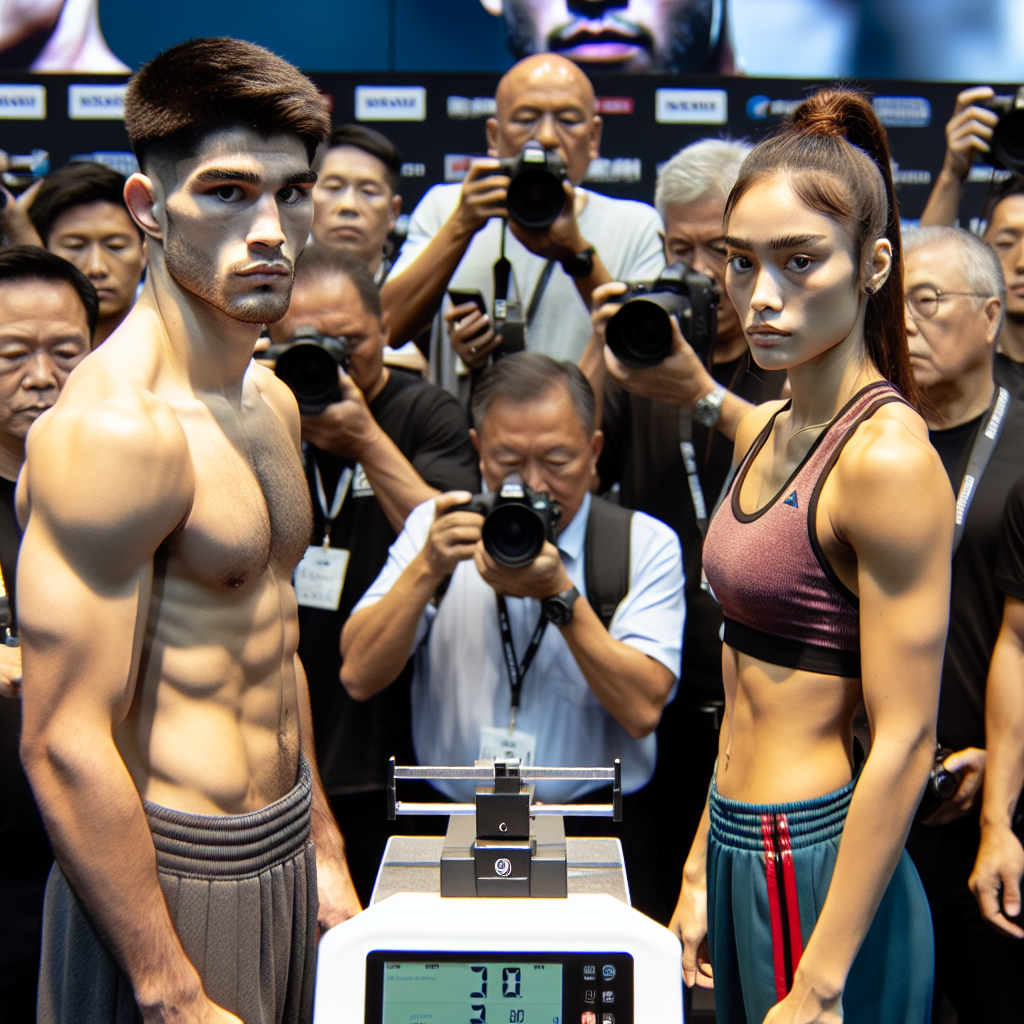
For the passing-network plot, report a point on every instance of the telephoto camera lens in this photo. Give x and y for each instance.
(535, 195)
(640, 334)
(309, 366)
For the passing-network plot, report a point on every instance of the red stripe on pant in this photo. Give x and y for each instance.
(774, 910)
(796, 944)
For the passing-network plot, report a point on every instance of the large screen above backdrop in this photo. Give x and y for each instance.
(939, 40)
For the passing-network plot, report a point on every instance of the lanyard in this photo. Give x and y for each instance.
(689, 454)
(517, 672)
(502, 274)
(981, 453)
(339, 498)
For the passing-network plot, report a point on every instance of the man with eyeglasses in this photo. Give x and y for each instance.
(458, 234)
(955, 297)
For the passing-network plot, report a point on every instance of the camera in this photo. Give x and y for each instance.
(517, 521)
(535, 194)
(640, 333)
(942, 785)
(1008, 135)
(308, 363)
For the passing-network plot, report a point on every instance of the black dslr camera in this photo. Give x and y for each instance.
(535, 194)
(517, 521)
(308, 364)
(942, 785)
(640, 334)
(1008, 135)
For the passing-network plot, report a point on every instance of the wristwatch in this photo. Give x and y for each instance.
(582, 264)
(708, 410)
(558, 609)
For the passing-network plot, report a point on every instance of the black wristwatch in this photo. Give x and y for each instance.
(580, 265)
(558, 608)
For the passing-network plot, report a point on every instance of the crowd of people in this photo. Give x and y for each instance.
(784, 587)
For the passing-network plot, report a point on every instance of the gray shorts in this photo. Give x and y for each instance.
(241, 891)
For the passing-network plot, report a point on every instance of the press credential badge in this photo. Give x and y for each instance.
(503, 745)
(320, 576)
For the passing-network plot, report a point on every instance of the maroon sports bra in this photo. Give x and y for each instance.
(782, 601)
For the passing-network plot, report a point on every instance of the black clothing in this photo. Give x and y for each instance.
(25, 854)
(641, 453)
(355, 739)
(1009, 374)
(1010, 556)
(976, 604)
(981, 971)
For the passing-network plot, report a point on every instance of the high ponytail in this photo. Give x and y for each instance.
(836, 153)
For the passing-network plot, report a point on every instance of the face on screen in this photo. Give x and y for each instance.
(620, 35)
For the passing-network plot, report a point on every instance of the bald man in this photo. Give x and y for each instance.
(455, 233)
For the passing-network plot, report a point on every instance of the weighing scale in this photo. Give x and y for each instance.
(502, 921)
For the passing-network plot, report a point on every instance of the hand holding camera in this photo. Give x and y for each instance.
(484, 191)
(969, 130)
(346, 427)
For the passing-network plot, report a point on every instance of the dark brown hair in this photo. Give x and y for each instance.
(207, 85)
(836, 155)
(78, 184)
(30, 263)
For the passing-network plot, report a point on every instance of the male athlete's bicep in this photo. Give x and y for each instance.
(105, 489)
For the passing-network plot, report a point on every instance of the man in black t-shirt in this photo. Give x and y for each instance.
(648, 416)
(48, 313)
(954, 290)
(393, 441)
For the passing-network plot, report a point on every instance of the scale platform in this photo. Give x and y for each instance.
(415, 956)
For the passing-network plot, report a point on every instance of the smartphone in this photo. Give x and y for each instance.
(460, 298)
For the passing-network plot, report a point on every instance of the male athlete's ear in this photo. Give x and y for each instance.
(878, 266)
(140, 198)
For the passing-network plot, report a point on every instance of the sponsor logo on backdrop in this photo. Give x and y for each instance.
(901, 177)
(464, 108)
(456, 166)
(982, 174)
(23, 102)
(391, 103)
(414, 170)
(691, 106)
(121, 160)
(620, 168)
(761, 107)
(615, 104)
(903, 111)
(96, 102)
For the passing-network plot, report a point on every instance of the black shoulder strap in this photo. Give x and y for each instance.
(606, 556)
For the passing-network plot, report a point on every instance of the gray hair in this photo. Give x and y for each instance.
(978, 260)
(528, 376)
(705, 168)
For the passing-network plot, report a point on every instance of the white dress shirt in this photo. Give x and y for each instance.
(461, 684)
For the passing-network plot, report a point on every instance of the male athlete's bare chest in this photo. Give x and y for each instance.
(251, 509)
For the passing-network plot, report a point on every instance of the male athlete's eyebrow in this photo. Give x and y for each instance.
(226, 174)
(785, 242)
(301, 178)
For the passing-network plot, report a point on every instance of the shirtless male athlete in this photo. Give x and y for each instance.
(166, 716)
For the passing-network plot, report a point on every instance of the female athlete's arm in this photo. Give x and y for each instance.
(889, 501)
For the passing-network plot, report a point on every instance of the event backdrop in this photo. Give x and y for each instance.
(438, 122)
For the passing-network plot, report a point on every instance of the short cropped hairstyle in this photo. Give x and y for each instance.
(1000, 190)
(528, 376)
(318, 262)
(372, 142)
(208, 85)
(78, 184)
(708, 167)
(978, 260)
(30, 263)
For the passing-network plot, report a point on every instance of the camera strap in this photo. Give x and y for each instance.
(502, 275)
(689, 454)
(977, 463)
(517, 671)
(340, 493)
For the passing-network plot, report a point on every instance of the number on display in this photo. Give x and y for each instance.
(511, 978)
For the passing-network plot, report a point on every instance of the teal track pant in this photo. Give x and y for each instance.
(768, 870)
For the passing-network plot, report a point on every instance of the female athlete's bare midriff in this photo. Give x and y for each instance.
(791, 663)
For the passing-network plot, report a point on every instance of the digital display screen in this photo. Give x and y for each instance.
(418, 992)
